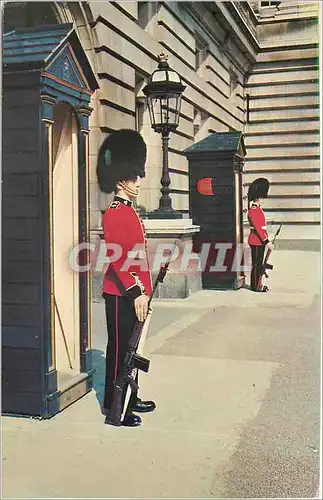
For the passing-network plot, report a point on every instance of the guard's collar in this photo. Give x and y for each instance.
(123, 200)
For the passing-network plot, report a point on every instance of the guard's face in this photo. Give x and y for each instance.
(131, 187)
(134, 185)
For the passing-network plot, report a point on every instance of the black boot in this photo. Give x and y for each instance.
(143, 406)
(263, 289)
(130, 420)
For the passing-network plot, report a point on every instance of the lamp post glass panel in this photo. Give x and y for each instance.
(163, 92)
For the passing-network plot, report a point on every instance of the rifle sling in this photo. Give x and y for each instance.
(113, 275)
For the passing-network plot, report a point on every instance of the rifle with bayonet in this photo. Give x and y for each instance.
(132, 363)
(266, 265)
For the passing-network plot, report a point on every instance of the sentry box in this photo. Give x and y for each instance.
(46, 338)
(216, 205)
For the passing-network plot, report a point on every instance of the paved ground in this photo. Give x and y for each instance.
(236, 377)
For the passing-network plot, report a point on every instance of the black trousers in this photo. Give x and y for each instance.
(121, 319)
(257, 259)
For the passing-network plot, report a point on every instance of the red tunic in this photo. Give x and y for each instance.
(123, 227)
(258, 229)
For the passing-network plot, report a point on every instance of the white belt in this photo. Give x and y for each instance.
(263, 227)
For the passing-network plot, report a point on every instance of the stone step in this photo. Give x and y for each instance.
(286, 216)
(291, 54)
(284, 67)
(288, 55)
(294, 232)
(294, 203)
(297, 15)
(292, 151)
(284, 114)
(310, 39)
(285, 101)
(281, 139)
(297, 7)
(284, 77)
(297, 191)
(287, 178)
(287, 126)
(274, 165)
(283, 89)
(274, 17)
(300, 4)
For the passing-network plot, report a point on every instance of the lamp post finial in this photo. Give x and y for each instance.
(163, 57)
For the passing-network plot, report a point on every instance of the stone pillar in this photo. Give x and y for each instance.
(181, 280)
(83, 114)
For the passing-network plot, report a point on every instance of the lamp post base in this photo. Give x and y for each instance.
(163, 214)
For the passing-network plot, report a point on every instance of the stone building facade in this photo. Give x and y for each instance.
(249, 66)
(283, 115)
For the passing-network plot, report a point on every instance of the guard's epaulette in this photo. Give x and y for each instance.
(115, 204)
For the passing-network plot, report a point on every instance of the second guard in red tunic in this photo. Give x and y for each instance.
(127, 282)
(258, 237)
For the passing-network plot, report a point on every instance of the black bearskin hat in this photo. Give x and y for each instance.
(122, 157)
(258, 189)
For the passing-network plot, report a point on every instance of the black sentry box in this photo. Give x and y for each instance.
(219, 157)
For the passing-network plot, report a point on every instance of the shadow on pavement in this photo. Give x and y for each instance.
(98, 358)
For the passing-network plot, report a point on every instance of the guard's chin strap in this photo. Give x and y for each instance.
(130, 192)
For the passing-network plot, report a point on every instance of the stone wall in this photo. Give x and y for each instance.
(283, 119)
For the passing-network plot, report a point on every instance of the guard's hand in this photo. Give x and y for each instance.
(141, 307)
(270, 246)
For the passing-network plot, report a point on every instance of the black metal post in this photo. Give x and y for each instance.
(165, 209)
(165, 202)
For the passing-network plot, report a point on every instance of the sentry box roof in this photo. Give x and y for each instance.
(35, 48)
(219, 142)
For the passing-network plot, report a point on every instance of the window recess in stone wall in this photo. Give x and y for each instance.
(23, 14)
(140, 82)
(201, 52)
(234, 80)
(146, 11)
(268, 8)
(247, 108)
(140, 110)
(269, 3)
(200, 119)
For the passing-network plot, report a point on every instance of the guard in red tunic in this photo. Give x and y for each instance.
(127, 282)
(258, 237)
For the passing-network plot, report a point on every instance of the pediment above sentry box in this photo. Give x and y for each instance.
(54, 50)
(65, 67)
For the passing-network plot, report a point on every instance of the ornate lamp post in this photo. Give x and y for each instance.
(163, 92)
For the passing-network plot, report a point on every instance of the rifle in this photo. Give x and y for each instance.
(133, 361)
(266, 265)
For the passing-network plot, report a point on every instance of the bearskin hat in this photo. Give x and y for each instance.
(122, 157)
(258, 189)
